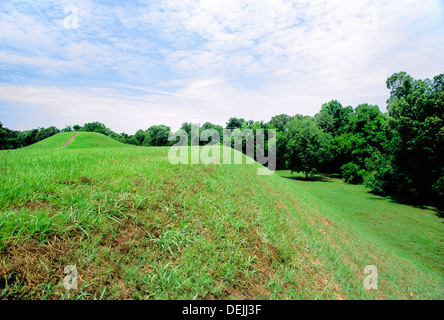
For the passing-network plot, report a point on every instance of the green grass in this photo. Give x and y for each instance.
(53, 142)
(402, 241)
(136, 226)
(82, 140)
(86, 140)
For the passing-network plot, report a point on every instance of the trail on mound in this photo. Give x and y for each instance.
(70, 139)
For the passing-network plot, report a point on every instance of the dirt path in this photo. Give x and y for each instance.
(70, 139)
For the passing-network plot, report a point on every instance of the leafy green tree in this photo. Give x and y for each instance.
(46, 133)
(345, 148)
(218, 128)
(416, 109)
(360, 131)
(188, 128)
(352, 173)
(279, 122)
(3, 137)
(380, 173)
(307, 145)
(133, 140)
(368, 130)
(138, 138)
(281, 150)
(96, 127)
(249, 135)
(371, 124)
(209, 125)
(235, 123)
(67, 128)
(123, 138)
(333, 118)
(28, 137)
(157, 136)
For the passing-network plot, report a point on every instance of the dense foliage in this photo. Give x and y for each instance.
(398, 153)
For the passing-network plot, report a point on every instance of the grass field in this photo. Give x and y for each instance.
(137, 227)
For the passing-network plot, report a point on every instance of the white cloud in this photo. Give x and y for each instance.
(199, 101)
(200, 60)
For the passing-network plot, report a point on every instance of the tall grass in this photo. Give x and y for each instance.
(136, 226)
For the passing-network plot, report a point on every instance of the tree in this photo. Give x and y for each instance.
(27, 137)
(67, 128)
(281, 150)
(133, 141)
(96, 127)
(123, 137)
(3, 133)
(4, 141)
(307, 145)
(138, 138)
(279, 122)
(187, 127)
(344, 148)
(157, 136)
(368, 130)
(235, 123)
(333, 118)
(371, 124)
(352, 173)
(46, 133)
(209, 125)
(416, 109)
(218, 128)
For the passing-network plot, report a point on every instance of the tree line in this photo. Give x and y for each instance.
(398, 153)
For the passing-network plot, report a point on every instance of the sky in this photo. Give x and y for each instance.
(133, 64)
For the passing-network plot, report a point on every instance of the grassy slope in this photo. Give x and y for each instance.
(136, 226)
(404, 242)
(82, 140)
(53, 142)
(86, 140)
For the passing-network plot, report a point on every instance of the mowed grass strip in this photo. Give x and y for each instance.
(404, 242)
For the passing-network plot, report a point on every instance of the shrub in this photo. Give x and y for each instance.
(351, 173)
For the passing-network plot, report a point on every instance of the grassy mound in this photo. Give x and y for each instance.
(85, 140)
(54, 142)
(82, 140)
(136, 226)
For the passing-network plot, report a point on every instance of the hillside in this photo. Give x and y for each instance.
(136, 226)
(81, 140)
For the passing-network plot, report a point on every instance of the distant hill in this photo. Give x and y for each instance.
(81, 140)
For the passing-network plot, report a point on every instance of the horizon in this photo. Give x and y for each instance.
(143, 63)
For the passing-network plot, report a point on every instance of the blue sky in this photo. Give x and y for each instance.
(132, 64)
